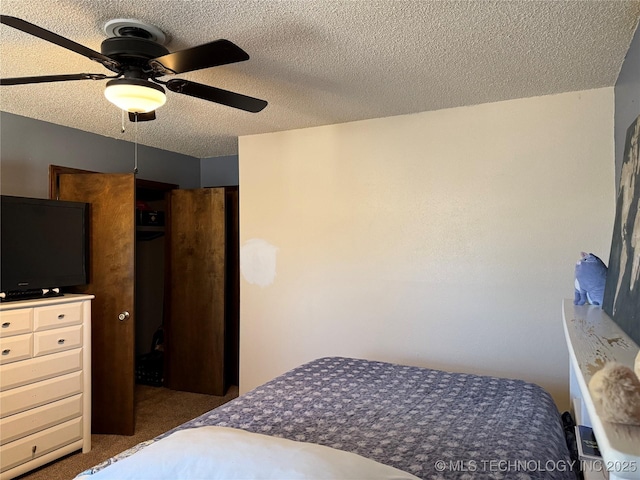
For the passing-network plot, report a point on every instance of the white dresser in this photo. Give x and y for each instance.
(45, 381)
(593, 339)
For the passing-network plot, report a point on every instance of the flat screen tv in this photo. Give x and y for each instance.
(44, 244)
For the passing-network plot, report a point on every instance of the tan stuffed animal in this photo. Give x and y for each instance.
(615, 390)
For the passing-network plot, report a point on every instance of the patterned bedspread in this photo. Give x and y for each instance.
(430, 423)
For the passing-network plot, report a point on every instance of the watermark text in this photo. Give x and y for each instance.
(511, 466)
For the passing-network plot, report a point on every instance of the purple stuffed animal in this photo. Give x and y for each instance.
(591, 276)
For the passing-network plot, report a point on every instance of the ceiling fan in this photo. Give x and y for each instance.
(138, 58)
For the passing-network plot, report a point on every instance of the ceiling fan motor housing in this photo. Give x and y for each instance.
(132, 50)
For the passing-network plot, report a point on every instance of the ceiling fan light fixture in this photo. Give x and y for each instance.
(135, 95)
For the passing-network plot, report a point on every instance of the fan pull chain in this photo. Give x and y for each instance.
(135, 156)
(122, 121)
(135, 140)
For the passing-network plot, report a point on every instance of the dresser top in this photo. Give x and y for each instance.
(41, 302)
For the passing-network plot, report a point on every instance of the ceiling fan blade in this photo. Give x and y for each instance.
(219, 52)
(40, 32)
(217, 95)
(52, 78)
(142, 117)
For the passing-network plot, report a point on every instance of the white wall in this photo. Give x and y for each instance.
(444, 239)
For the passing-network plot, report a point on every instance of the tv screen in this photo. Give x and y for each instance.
(43, 243)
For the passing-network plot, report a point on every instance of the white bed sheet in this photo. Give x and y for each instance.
(224, 453)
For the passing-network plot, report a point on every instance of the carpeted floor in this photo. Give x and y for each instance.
(157, 410)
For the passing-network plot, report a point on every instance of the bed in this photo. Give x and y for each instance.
(410, 422)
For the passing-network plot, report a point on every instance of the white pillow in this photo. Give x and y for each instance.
(210, 453)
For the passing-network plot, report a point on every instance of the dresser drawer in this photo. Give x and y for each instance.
(58, 340)
(15, 322)
(20, 399)
(45, 318)
(33, 370)
(27, 448)
(15, 348)
(32, 421)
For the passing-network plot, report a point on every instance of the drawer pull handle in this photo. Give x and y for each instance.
(6, 351)
(6, 324)
(61, 341)
(61, 316)
(33, 449)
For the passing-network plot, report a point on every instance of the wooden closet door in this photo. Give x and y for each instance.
(195, 325)
(112, 280)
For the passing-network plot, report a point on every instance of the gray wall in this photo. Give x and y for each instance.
(627, 92)
(28, 147)
(219, 171)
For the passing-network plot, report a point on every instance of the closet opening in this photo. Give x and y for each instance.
(150, 279)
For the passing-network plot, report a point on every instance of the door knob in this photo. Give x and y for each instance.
(123, 316)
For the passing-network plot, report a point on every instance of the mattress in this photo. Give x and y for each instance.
(429, 423)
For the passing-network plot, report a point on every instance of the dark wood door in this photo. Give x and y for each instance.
(112, 280)
(195, 326)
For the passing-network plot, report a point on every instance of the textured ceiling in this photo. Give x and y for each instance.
(320, 62)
